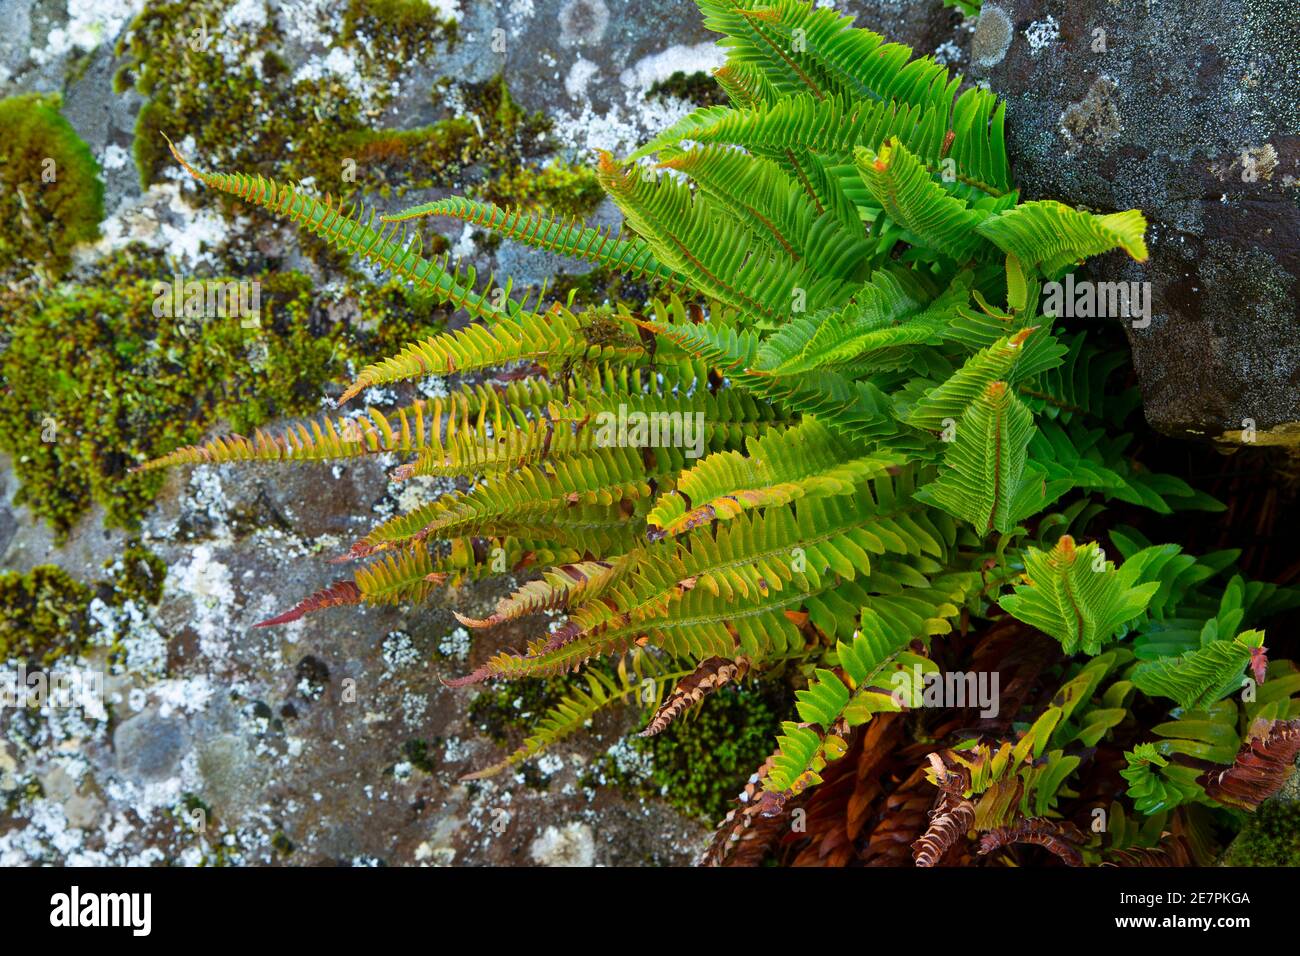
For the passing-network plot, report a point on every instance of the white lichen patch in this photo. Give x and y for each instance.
(207, 581)
(626, 125)
(571, 845)
(455, 645)
(1041, 34)
(90, 23)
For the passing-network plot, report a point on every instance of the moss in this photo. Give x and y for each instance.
(697, 87)
(699, 765)
(94, 383)
(51, 196)
(421, 754)
(282, 844)
(396, 32)
(42, 615)
(307, 129)
(558, 188)
(138, 576)
(502, 713)
(1271, 837)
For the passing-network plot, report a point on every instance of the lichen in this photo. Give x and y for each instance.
(51, 196)
(397, 32)
(313, 124)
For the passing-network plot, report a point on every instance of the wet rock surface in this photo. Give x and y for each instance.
(1191, 113)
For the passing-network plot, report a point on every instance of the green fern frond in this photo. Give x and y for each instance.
(555, 336)
(932, 217)
(1076, 596)
(351, 231)
(800, 462)
(576, 493)
(987, 479)
(718, 254)
(776, 210)
(1051, 235)
(1200, 676)
(631, 256)
(580, 705)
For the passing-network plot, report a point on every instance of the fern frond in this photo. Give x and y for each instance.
(805, 461)
(1051, 235)
(776, 210)
(1262, 767)
(555, 336)
(719, 255)
(558, 588)
(338, 594)
(987, 479)
(1076, 596)
(933, 217)
(580, 705)
(558, 492)
(707, 677)
(1010, 359)
(1201, 676)
(876, 675)
(351, 231)
(630, 256)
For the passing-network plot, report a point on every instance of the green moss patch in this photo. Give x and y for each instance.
(42, 615)
(701, 762)
(51, 196)
(1271, 837)
(93, 383)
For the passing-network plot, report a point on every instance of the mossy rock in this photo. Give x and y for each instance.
(1271, 837)
(93, 382)
(51, 196)
(701, 762)
(42, 615)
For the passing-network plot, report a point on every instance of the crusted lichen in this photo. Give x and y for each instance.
(397, 32)
(315, 126)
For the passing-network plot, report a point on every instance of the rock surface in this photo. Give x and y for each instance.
(1190, 112)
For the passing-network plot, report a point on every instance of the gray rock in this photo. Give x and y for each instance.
(149, 747)
(84, 811)
(226, 765)
(1191, 113)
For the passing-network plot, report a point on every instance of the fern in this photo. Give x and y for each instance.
(893, 447)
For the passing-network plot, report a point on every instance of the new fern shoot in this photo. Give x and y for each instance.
(904, 469)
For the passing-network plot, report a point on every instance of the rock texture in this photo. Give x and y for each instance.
(1189, 111)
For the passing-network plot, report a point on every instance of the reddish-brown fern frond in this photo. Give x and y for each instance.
(1059, 836)
(952, 817)
(1264, 763)
(338, 594)
(693, 688)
